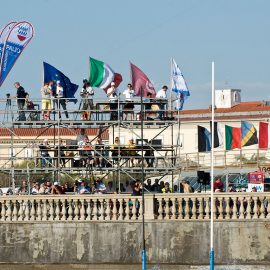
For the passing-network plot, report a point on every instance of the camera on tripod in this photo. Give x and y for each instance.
(8, 100)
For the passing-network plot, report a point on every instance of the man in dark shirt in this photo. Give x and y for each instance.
(20, 100)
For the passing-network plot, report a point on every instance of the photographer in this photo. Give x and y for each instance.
(20, 100)
(87, 94)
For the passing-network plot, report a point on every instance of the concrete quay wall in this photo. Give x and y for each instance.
(167, 242)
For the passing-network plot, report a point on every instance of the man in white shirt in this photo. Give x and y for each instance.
(129, 106)
(61, 99)
(162, 95)
(113, 94)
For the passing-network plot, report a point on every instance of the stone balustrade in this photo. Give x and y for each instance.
(115, 207)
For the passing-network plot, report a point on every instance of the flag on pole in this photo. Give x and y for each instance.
(102, 75)
(204, 139)
(141, 81)
(53, 74)
(3, 36)
(233, 137)
(264, 135)
(17, 39)
(179, 86)
(248, 134)
(218, 138)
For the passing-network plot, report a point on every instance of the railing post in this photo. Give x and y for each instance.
(149, 207)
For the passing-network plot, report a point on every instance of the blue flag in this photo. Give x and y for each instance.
(53, 74)
(179, 86)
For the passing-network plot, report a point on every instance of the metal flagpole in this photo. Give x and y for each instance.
(143, 206)
(212, 173)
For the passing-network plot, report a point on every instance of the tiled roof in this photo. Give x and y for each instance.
(49, 132)
(242, 107)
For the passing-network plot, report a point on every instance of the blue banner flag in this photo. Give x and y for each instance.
(179, 86)
(53, 74)
(17, 39)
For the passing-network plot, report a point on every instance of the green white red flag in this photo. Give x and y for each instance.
(102, 75)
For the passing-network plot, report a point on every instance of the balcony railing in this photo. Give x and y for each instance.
(116, 208)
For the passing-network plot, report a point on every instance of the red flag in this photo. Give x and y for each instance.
(117, 80)
(141, 81)
(264, 135)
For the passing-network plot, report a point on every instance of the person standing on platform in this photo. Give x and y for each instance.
(87, 94)
(129, 106)
(162, 95)
(20, 100)
(61, 99)
(46, 101)
(113, 95)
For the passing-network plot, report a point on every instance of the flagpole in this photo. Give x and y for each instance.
(212, 173)
(171, 90)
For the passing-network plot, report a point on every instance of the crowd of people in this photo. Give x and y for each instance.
(54, 99)
(83, 186)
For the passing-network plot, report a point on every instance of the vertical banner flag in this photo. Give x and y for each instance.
(53, 74)
(204, 139)
(218, 138)
(233, 137)
(248, 134)
(19, 36)
(141, 81)
(102, 75)
(3, 35)
(264, 135)
(179, 86)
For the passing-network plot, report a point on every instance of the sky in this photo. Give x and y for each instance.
(232, 33)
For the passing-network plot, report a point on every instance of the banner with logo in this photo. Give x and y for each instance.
(3, 36)
(18, 38)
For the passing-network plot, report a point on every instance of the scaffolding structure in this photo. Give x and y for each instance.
(138, 122)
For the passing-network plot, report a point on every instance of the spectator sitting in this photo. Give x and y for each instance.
(100, 186)
(218, 185)
(162, 185)
(57, 189)
(167, 188)
(137, 189)
(156, 187)
(68, 188)
(83, 188)
(187, 187)
(148, 186)
(23, 189)
(35, 188)
(110, 187)
(128, 187)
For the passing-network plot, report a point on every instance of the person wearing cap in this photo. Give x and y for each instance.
(44, 153)
(46, 101)
(61, 99)
(162, 95)
(57, 189)
(87, 94)
(113, 95)
(83, 188)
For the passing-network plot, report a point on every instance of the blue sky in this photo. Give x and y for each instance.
(232, 33)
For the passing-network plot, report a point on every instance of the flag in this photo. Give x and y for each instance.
(3, 36)
(264, 134)
(53, 74)
(179, 86)
(233, 137)
(102, 75)
(218, 138)
(248, 134)
(204, 139)
(141, 82)
(18, 37)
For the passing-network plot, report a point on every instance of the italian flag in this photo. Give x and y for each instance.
(102, 75)
(233, 137)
